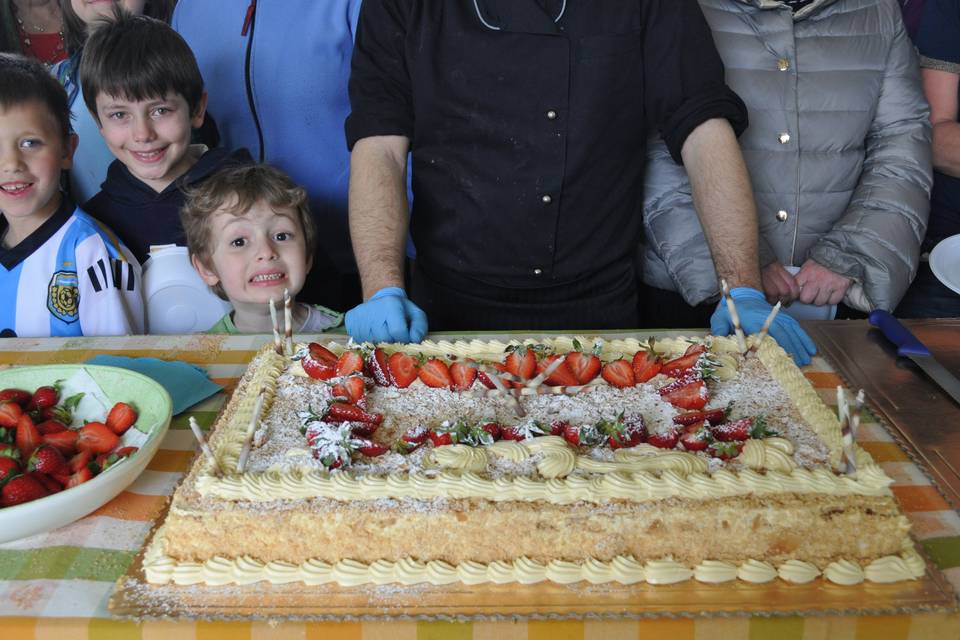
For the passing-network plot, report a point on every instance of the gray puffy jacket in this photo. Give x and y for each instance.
(838, 149)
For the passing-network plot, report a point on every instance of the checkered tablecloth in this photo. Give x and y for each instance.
(56, 585)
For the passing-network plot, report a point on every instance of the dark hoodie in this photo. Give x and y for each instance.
(142, 217)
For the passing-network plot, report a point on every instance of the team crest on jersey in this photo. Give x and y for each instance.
(63, 296)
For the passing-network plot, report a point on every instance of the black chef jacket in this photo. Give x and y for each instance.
(528, 121)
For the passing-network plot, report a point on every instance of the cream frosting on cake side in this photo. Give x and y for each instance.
(635, 476)
(161, 569)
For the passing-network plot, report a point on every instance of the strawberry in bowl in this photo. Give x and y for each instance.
(81, 435)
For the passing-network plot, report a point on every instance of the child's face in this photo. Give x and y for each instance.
(151, 137)
(255, 256)
(90, 10)
(32, 154)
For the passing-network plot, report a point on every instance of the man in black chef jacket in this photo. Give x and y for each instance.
(526, 121)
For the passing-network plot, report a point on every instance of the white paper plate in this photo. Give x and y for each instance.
(945, 262)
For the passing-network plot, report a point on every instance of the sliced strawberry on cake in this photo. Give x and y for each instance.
(743, 429)
(463, 375)
(562, 376)
(687, 395)
(646, 364)
(521, 361)
(378, 367)
(319, 362)
(584, 366)
(666, 439)
(402, 369)
(713, 416)
(676, 367)
(619, 373)
(435, 373)
(350, 361)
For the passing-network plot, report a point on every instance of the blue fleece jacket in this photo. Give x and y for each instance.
(299, 65)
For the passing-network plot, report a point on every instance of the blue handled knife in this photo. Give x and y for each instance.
(909, 347)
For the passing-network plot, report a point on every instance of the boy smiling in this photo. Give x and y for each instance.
(61, 274)
(142, 85)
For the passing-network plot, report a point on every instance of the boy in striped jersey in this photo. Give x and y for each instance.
(61, 273)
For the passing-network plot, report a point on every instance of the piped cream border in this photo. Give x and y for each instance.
(681, 481)
(162, 569)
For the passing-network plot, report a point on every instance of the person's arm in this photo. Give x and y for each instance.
(938, 41)
(875, 245)
(379, 130)
(378, 210)
(941, 88)
(724, 201)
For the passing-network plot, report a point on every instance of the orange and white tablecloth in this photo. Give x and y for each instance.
(56, 585)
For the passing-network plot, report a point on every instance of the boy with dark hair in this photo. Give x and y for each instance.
(251, 237)
(61, 274)
(144, 89)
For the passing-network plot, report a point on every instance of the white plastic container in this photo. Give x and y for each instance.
(177, 300)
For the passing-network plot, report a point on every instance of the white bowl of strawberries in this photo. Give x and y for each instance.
(71, 438)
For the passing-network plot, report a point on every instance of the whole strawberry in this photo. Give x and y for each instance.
(412, 439)
(8, 468)
(20, 489)
(20, 396)
(44, 397)
(558, 427)
(623, 434)
(664, 439)
(446, 433)
(586, 435)
(725, 450)
(695, 437)
(492, 429)
(743, 429)
(46, 459)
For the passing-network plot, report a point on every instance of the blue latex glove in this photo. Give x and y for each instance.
(753, 310)
(388, 316)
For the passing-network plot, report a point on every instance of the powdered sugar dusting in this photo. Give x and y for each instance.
(751, 392)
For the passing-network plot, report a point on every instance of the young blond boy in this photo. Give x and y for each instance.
(250, 236)
(61, 273)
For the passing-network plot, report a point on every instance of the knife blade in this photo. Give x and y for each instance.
(909, 346)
